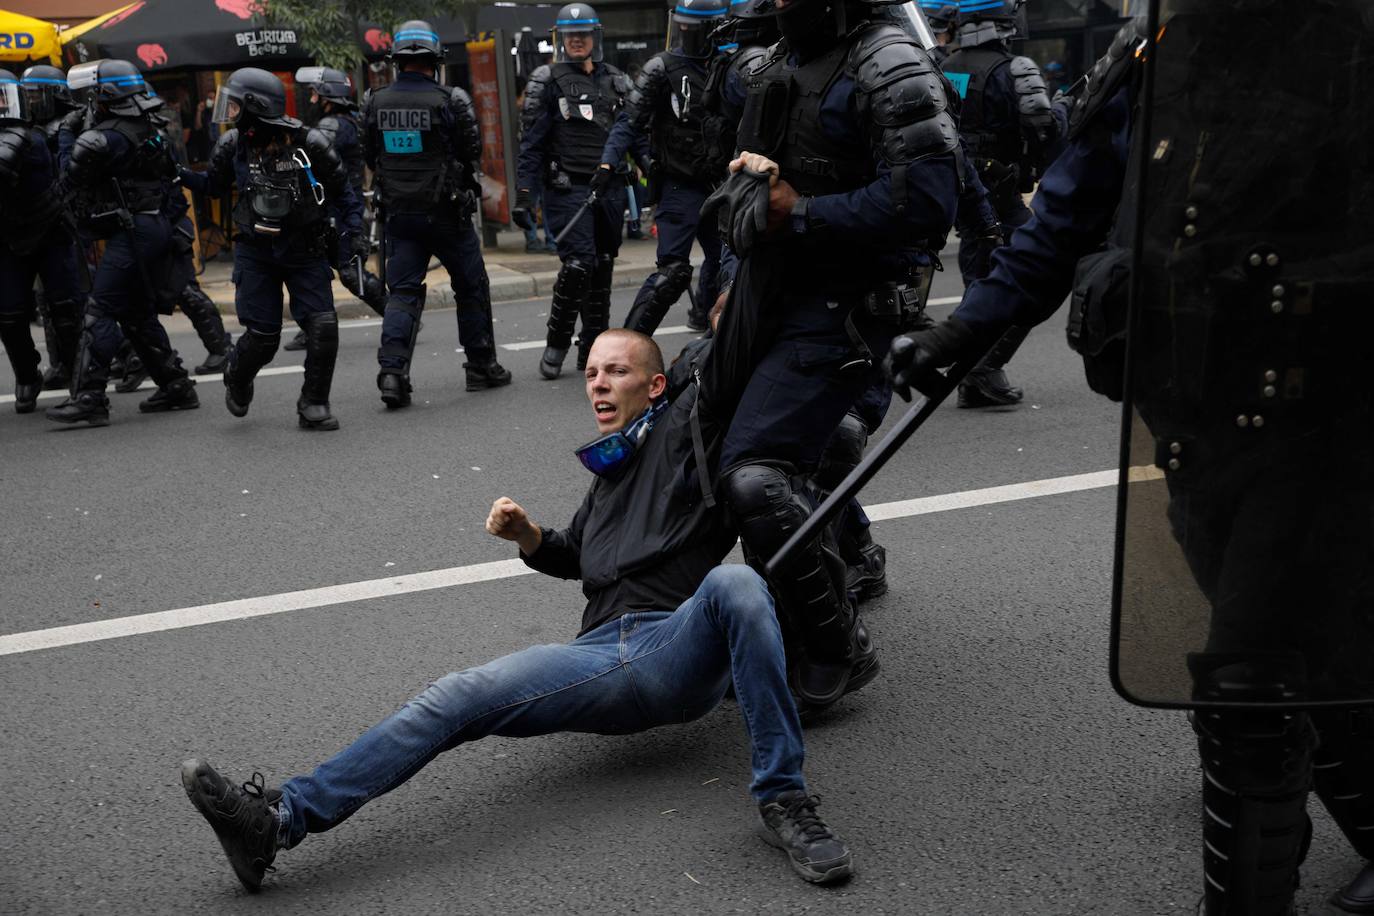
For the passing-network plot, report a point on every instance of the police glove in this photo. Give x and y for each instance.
(741, 207)
(522, 213)
(600, 179)
(913, 358)
(360, 245)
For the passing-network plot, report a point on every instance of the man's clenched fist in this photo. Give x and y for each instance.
(507, 520)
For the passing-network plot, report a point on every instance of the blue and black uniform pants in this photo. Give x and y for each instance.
(678, 218)
(55, 262)
(122, 306)
(411, 240)
(588, 254)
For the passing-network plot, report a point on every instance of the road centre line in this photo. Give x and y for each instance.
(368, 589)
(149, 385)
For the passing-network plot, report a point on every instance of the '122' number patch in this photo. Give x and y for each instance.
(402, 141)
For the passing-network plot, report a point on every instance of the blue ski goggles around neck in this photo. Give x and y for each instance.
(609, 453)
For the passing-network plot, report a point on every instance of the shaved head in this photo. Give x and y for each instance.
(646, 352)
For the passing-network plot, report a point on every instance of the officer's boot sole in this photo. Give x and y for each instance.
(328, 423)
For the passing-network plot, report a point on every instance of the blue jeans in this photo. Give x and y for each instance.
(631, 674)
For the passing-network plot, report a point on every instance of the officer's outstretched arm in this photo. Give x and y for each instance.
(219, 176)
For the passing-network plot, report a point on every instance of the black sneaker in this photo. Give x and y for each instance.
(481, 376)
(790, 823)
(984, 387)
(296, 343)
(244, 818)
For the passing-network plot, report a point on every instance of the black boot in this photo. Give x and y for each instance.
(321, 353)
(569, 291)
(178, 394)
(135, 373)
(205, 318)
(1358, 895)
(1344, 776)
(486, 374)
(56, 377)
(395, 389)
(867, 579)
(296, 343)
(243, 817)
(987, 384)
(789, 822)
(26, 396)
(90, 407)
(252, 351)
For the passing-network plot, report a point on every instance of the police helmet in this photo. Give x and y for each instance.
(251, 95)
(328, 83)
(416, 40)
(46, 92)
(691, 24)
(576, 23)
(115, 85)
(13, 106)
(739, 29)
(941, 14)
(988, 11)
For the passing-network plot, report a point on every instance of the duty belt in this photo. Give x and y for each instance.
(903, 303)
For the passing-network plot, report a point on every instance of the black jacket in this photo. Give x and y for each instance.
(644, 540)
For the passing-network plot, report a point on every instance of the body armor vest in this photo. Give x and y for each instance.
(692, 140)
(585, 107)
(144, 175)
(970, 70)
(415, 166)
(283, 196)
(782, 120)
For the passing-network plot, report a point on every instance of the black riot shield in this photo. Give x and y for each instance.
(1245, 534)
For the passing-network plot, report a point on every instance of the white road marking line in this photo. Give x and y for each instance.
(244, 608)
(149, 385)
(945, 300)
(539, 344)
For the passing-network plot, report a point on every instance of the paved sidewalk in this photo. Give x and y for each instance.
(514, 274)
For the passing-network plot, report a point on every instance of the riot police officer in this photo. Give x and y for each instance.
(336, 116)
(49, 102)
(846, 116)
(423, 141)
(123, 176)
(692, 145)
(569, 109)
(38, 242)
(1007, 124)
(1238, 276)
(290, 182)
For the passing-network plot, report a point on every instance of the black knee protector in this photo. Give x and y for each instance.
(205, 318)
(843, 452)
(663, 287)
(569, 291)
(767, 510)
(1343, 772)
(403, 351)
(321, 353)
(1257, 771)
(255, 349)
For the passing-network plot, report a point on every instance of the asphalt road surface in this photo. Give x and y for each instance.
(989, 769)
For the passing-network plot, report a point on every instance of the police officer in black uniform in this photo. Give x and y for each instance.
(38, 242)
(569, 109)
(1248, 337)
(423, 142)
(336, 116)
(123, 176)
(290, 182)
(847, 116)
(1010, 131)
(692, 145)
(49, 101)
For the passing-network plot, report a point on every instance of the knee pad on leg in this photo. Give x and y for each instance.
(569, 291)
(256, 347)
(843, 452)
(663, 287)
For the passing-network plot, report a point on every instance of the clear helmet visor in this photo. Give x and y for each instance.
(576, 40)
(911, 19)
(83, 79)
(309, 76)
(13, 105)
(692, 34)
(41, 98)
(227, 107)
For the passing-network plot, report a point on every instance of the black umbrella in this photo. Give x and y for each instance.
(205, 34)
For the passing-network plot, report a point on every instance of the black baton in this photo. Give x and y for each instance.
(586, 204)
(941, 385)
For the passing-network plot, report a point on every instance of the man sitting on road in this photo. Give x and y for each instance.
(644, 541)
